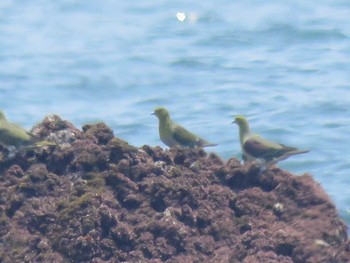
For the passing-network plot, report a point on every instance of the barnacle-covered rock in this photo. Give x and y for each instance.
(95, 198)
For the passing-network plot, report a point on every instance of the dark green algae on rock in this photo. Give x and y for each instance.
(95, 198)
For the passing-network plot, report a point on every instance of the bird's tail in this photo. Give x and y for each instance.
(44, 143)
(204, 143)
(297, 152)
(37, 142)
(210, 145)
(285, 156)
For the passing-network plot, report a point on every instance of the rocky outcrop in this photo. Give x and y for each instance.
(95, 198)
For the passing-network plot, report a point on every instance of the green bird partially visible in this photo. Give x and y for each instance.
(255, 147)
(173, 134)
(12, 134)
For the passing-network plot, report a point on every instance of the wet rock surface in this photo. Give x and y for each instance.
(95, 198)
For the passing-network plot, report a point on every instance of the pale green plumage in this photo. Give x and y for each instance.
(173, 134)
(12, 134)
(255, 147)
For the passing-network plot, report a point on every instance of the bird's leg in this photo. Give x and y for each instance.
(262, 165)
(244, 158)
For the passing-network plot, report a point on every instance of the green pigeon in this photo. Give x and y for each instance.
(12, 134)
(173, 134)
(255, 147)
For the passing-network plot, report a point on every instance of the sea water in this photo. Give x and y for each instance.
(284, 65)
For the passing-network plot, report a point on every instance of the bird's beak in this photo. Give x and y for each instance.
(233, 122)
(153, 113)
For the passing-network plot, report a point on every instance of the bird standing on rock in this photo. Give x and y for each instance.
(12, 134)
(173, 134)
(255, 147)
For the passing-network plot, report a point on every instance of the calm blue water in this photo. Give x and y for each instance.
(286, 66)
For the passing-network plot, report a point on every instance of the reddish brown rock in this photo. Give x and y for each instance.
(94, 198)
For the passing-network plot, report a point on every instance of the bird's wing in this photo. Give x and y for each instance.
(11, 130)
(4, 129)
(262, 148)
(20, 129)
(183, 136)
